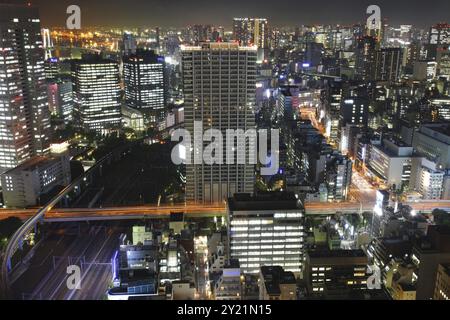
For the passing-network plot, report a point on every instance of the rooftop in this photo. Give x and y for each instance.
(32, 164)
(264, 201)
(273, 276)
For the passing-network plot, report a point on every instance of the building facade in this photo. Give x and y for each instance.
(266, 230)
(96, 93)
(219, 92)
(145, 88)
(24, 113)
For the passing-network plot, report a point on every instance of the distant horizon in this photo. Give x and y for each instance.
(280, 13)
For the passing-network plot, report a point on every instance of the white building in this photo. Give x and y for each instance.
(23, 185)
(392, 162)
(428, 179)
(266, 229)
(229, 285)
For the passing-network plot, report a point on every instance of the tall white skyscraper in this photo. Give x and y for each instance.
(24, 113)
(219, 91)
(96, 93)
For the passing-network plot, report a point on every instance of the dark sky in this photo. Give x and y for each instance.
(177, 13)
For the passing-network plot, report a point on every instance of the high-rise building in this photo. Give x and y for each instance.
(339, 178)
(96, 93)
(266, 230)
(355, 111)
(145, 88)
(219, 91)
(388, 64)
(252, 32)
(365, 57)
(440, 34)
(24, 113)
(129, 44)
(60, 98)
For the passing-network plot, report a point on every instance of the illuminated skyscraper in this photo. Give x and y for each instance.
(96, 93)
(440, 34)
(145, 88)
(24, 113)
(219, 90)
(252, 32)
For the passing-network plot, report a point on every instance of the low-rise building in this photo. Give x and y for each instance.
(276, 284)
(335, 273)
(23, 185)
(442, 286)
(229, 286)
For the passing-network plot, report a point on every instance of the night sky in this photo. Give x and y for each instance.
(179, 13)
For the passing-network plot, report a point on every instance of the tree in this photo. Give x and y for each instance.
(8, 227)
(441, 217)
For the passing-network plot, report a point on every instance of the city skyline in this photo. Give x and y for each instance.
(175, 13)
(100, 198)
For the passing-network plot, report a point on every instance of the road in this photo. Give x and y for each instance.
(363, 199)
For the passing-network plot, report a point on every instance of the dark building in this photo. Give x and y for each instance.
(365, 58)
(427, 254)
(388, 64)
(335, 273)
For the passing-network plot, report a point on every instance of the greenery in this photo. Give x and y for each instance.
(441, 217)
(7, 228)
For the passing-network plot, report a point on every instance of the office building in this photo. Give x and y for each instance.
(145, 86)
(427, 255)
(433, 142)
(60, 98)
(266, 230)
(252, 32)
(96, 88)
(276, 284)
(391, 162)
(365, 58)
(428, 179)
(442, 286)
(219, 91)
(440, 34)
(335, 273)
(425, 70)
(338, 178)
(354, 111)
(388, 64)
(24, 113)
(23, 185)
